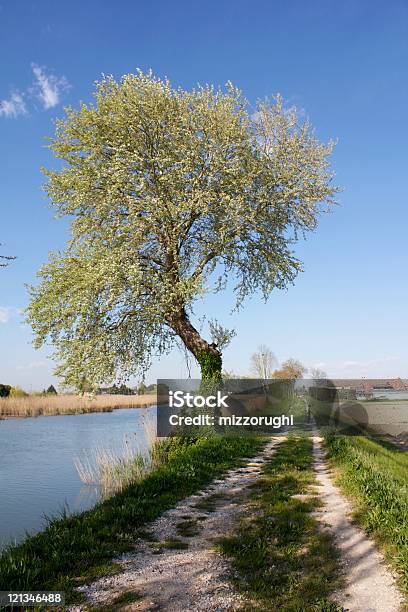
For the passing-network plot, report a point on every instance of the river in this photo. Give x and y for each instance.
(38, 477)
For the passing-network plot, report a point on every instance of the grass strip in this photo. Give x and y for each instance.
(188, 528)
(73, 550)
(121, 602)
(168, 544)
(374, 474)
(281, 560)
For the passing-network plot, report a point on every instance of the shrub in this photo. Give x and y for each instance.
(17, 392)
(5, 390)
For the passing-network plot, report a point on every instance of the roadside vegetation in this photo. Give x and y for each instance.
(281, 560)
(113, 471)
(74, 550)
(49, 405)
(374, 474)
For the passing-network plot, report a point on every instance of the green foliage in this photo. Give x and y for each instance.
(141, 389)
(51, 390)
(116, 390)
(5, 390)
(281, 559)
(211, 365)
(163, 187)
(221, 336)
(374, 474)
(17, 392)
(83, 545)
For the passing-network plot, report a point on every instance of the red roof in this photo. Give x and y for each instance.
(369, 384)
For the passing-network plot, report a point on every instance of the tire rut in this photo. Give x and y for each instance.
(370, 585)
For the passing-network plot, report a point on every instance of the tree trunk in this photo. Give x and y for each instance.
(207, 355)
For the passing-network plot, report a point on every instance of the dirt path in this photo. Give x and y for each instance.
(370, 586)
(195, 578)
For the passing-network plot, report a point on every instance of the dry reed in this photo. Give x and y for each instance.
(70, 404)
(115, 470)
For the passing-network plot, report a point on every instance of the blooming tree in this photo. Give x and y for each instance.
(170, 194)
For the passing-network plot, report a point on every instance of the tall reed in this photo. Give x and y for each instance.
(114, 470)
(49, 405)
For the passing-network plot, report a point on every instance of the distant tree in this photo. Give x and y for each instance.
(51, 390)
(83, 386)
(263, 362)
(171, 194)
(115, 390)
(230, 374)
(141, 390)
(5, 390)
(5, 260)
(292, 369)
(319, 376)
(125, 390)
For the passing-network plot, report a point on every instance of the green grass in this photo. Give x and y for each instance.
(169, 544)
(281, 559)
(209, 503)
(145, 534)
(187, 528)
(75, 549)
(124, 599)
(375, 475)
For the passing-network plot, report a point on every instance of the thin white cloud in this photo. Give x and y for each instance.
(5, 314)
(387, 367)
(48, 87)
(13, 107)
(33, 365)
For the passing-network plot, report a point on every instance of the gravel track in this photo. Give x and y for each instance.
(195, 578)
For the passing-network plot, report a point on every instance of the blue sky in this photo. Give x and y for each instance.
(342, 63)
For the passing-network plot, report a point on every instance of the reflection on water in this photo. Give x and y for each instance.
(87, 496)
(37, 473)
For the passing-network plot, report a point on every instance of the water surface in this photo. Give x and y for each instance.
(38, 477)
